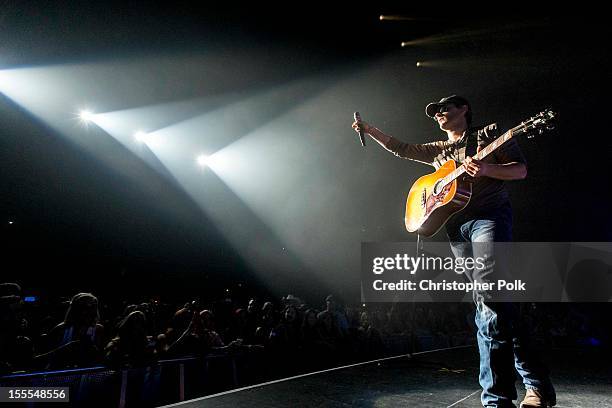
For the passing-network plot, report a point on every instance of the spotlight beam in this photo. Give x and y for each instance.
(391, 17)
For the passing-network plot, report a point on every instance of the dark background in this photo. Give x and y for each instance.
(77, 225)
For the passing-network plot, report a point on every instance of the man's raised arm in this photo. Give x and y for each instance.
(424, 153)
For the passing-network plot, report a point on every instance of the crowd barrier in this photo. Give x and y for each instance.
(170, 381)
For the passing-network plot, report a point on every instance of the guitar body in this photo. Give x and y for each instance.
(428, 209)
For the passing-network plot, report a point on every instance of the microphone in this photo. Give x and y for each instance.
(357, 117)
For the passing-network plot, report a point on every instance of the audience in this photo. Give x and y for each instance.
(131, 346)
(121, 334)
(79, 340)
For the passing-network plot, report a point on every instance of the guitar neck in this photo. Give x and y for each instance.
(483, 153)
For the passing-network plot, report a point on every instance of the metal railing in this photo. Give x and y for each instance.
(164, 382)
(175, 380)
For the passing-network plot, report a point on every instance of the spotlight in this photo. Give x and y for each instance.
(395, 17)
(202, 160)
(86, 116)
(140, 136)
(419, 64)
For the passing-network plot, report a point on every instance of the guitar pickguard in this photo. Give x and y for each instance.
(434, 200)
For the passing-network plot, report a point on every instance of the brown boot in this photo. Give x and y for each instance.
(534, 399)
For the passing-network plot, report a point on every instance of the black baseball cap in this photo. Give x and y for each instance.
(433, 107)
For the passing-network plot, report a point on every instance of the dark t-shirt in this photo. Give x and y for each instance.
(490, 199)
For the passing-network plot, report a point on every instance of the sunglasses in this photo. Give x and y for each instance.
(444, 108)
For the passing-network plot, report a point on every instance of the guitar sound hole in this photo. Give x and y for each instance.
(437, 189)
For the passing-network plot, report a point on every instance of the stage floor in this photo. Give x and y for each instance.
(446, 378)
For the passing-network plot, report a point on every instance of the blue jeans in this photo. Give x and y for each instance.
(503, 345)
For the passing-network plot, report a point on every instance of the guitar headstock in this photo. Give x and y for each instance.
(538, 124)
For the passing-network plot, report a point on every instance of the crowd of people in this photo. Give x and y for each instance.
(84, 331)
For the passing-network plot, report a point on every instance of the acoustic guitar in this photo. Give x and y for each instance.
(435, 197)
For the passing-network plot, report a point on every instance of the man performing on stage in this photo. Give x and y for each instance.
(486, 219)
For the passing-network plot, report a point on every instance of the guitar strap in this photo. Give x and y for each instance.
(471, 147)
(471, 144)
